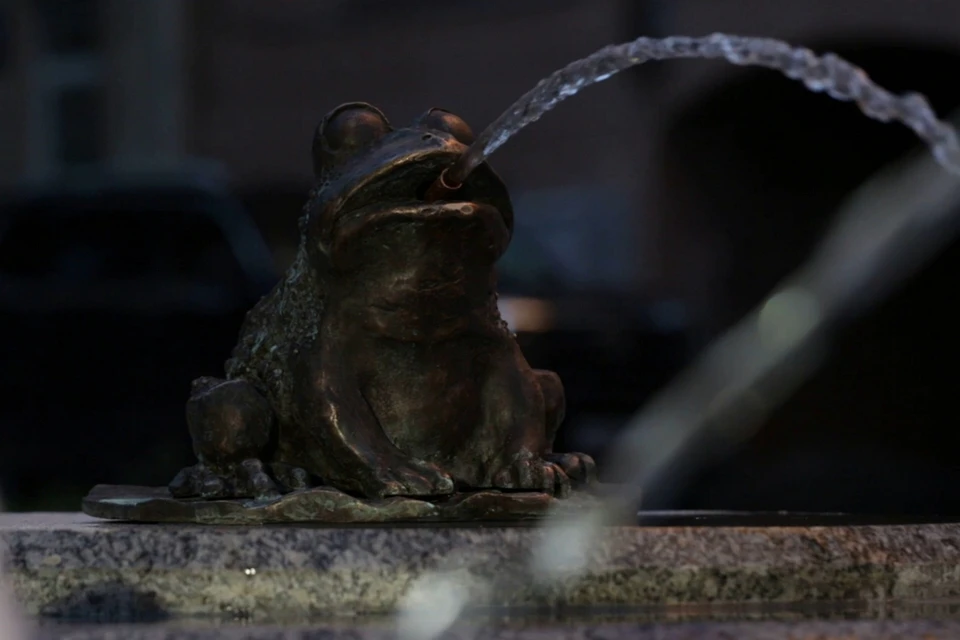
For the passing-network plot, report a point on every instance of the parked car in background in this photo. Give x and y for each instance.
(115, 293)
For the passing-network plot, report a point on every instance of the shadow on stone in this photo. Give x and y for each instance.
(111, 601)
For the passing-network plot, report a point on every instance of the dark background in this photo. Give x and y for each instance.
(154, 157)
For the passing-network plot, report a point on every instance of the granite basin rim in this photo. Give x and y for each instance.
(67, 565)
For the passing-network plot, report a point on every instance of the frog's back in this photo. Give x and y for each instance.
(289, 315)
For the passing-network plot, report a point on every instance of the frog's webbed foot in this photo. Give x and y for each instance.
(248, 478)
(406, 477)
(579, 467)
(534, 474)
(378, 472)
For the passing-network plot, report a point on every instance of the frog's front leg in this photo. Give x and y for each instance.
(579, 467)
(231, 425)
(523, 409)
(342, 440)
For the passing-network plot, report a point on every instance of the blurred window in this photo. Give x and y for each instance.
(67, 101)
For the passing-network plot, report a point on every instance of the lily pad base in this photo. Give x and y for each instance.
(323, 505)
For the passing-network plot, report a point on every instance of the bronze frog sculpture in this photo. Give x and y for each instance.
(380, 365)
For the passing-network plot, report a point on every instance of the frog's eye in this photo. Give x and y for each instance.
(442, 120)
(346, 130)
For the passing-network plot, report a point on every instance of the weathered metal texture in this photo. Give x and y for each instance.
(380, 366)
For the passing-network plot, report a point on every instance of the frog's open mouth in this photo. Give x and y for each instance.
(404, 185)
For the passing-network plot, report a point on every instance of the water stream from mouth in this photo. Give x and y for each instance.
(827, 73)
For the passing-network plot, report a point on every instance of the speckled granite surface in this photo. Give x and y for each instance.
(73, 565)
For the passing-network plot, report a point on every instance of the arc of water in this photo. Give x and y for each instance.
(828, 73)
(883, 233)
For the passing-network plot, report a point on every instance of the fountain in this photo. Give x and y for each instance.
(337, 404)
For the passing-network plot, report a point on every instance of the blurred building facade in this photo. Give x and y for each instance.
(155, 82)
(92, 83)
(159, 83)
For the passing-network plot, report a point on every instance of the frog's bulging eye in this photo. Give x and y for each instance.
(442, 120)
(354, 125)
(347, 129)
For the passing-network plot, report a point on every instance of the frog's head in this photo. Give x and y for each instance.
(368, 173)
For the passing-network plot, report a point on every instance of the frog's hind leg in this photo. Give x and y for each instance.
(232, 426)
(229, 420)
(579, 467)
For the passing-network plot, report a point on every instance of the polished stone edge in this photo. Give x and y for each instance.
(819, 630)
(70, 565)
(317, 505)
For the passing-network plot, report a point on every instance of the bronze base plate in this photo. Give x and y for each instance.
(321, 505)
